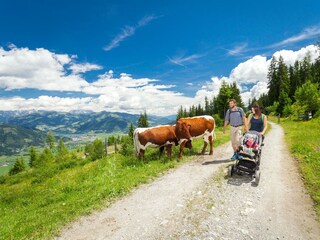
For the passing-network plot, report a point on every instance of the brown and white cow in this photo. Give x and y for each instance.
(200, 126)
(159, 137)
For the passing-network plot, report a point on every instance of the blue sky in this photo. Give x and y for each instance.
(180, 49)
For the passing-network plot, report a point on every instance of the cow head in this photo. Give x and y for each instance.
(188, 144)
(182, 130)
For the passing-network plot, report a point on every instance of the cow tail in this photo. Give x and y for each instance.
(213, 132)
(136, 142)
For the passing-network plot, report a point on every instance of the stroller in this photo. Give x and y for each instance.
(249, 156)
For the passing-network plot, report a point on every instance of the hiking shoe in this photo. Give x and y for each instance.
(234, 157)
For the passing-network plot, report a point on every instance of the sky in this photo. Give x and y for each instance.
(132, 56)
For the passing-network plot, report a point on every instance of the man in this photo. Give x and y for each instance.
(237, 118)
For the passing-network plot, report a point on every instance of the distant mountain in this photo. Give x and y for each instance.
(78, 122)
(14, 138)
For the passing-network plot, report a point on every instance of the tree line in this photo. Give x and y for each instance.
(217, 106)
(292, 89)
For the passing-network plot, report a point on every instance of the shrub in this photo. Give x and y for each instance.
(219, 121)
(127, 148)
(287, 111)
(18, 166)
(95, 150)
(273, 109)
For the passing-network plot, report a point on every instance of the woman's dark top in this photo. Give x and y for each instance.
(256, 124)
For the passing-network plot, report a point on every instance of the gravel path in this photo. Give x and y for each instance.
(198, 201)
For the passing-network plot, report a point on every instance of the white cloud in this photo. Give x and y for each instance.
(307, 33)
(40, 69)
(254, 72)
(251, 71)
(44, 70)
(128, 31)
(85, 67)
(182, 60)
(291, 56)
(237, 50)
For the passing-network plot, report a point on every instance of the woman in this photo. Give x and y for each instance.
(257, 121)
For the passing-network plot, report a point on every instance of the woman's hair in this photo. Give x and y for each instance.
(257, 109)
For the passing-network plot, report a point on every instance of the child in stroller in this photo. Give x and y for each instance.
(249, 155)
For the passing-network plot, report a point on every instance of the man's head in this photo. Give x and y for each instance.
(232, 103)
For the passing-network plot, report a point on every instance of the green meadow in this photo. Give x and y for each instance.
(302, 138)
(38, 202)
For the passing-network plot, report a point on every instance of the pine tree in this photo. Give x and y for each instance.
(131, 130)
(284, 87)
(62, 150)
(222, 102)
(306, 74)
(50, 140)
(18, 166)
(236, 94)
(143, 120)
(273, 83)
(185, 113)
(33, 157)
(98, 150)
(180, 113)
(316, 66)
(207, 110)
(46, 157)
(295, 80)
(192, 111)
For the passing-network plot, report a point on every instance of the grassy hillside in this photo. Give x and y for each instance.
(303, 140)
(36, 203)
(14, 138)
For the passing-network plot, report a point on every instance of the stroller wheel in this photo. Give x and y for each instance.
(230, 170)
(257, 177)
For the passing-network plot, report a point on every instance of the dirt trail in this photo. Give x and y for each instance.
(197, 201)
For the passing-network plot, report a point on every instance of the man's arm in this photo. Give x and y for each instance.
(248, 122)
(245, 124)
(226, 122)
(244, 119)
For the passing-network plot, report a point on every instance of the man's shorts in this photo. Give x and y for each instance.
(235, 135)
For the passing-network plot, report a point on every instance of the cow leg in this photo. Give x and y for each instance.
(181, 149)
(169, 151)
(204, 148)
(141, 154)
(161, 151)
(211, 145)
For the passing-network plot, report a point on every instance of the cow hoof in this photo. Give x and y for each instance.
(211, 153)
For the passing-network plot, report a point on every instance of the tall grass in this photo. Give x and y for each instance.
(303, 140)
(37, 203)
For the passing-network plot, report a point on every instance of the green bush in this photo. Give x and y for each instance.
(219, 121)
(287, 111)
(18, 166)
(273, 109)
(95, 150)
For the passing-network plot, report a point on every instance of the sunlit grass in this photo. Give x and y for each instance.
(37, 203)
(303, 140)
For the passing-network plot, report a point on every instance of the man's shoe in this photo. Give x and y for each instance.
(234, 157)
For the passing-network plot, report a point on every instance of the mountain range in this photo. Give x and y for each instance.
(24, 129)
(78, 122)
(15, 138)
